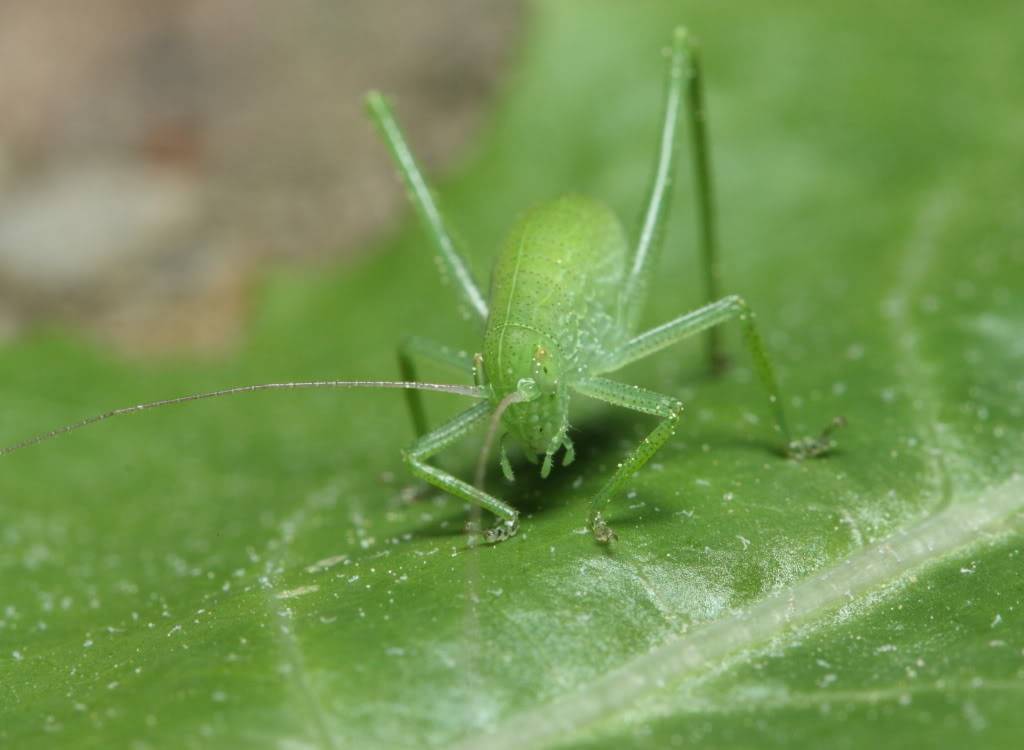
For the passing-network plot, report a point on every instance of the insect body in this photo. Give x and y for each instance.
(566, 294)
(555, 299)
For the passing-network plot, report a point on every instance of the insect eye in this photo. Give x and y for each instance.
(545, 372)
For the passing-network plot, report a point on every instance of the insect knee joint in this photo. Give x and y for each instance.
(737, 302)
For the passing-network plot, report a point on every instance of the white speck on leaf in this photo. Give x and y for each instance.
(300, 591)
(327, 562)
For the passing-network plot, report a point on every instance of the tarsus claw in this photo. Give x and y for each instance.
(810, 447)
(502, 531)
(602, 531)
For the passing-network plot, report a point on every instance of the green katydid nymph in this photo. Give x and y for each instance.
(566, 296)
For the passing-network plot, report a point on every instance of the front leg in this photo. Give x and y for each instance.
(638, 399)
(434, 442)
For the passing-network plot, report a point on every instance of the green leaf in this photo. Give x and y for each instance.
(260, 572)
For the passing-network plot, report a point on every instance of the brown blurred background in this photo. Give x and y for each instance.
(154, 156)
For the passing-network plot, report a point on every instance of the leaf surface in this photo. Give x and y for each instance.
(260, 571)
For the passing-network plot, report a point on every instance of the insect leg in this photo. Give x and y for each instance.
(638, 399)
(436, 441)
(634, 292)
(685, 72)
(416, 346)
(422, 200)
(706, 229)
(702, 319)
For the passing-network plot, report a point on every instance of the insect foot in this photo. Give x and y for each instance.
(811, 447)
(602, 531)
(502, 531)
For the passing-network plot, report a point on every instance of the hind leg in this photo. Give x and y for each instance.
(684, 79)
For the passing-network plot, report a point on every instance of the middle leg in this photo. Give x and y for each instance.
(417, 346)
(702, 319)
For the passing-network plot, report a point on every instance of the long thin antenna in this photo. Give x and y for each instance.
(461, 390)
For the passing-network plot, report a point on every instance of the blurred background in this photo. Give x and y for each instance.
(155, 156)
